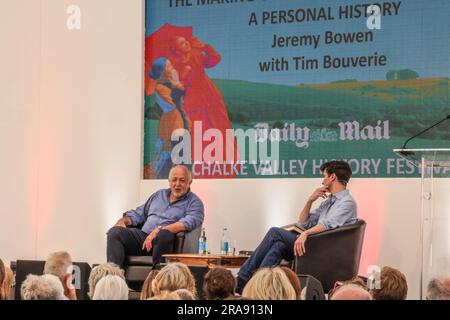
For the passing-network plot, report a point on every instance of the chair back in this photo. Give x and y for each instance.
(138, 267)
(333, 255)
(187, 242)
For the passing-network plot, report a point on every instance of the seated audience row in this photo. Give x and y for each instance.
(176, 282)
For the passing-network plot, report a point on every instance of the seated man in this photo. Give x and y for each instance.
(166, 212)
(337, 210)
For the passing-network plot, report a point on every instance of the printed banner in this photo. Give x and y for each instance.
(274, 88)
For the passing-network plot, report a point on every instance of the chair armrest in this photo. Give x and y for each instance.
(342, 229)
(191, 240)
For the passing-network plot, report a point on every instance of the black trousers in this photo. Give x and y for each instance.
(123, 242)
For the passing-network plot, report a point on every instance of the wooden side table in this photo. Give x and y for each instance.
(210, 260)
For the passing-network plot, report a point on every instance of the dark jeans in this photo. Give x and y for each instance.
(278, 244)
(123, 242)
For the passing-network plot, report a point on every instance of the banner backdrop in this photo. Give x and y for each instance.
(273, 88)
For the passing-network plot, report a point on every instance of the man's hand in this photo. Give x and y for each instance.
(319, 192)
(69, 289)
(147, 245)
(123, 222)
(299, 244)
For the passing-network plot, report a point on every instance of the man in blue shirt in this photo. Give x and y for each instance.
(337, 210)
(155, 223)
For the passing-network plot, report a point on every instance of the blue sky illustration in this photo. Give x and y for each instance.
(418, 38)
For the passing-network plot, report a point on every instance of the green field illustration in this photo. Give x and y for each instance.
(400, 109)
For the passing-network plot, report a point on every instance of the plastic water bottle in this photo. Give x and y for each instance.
(224, 242)
(202, 243)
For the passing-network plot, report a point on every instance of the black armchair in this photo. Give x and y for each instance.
(332, 255)
(138, 267)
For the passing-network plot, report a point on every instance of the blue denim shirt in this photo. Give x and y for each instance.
(336, 211)
(158, 211)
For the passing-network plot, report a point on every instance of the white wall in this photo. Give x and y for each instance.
(19, 109)
(71, 136)
(71, 133)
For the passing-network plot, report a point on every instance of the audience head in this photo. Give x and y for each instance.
(2, 273)
(146, 291)
(269, 284)
(111, 288)
(351, 292)
(185, 294)
(295, 281)
(5, 290)
(219, 283)
(101, 271)
(393, 285)
(439, 289)
(44, 287)
(2, 277)
(172, 277)
(339, 168)
(166, 295)
(59, 264)
(357, 280)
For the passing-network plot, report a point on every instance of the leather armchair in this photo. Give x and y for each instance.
(332, 255)
(138, 267)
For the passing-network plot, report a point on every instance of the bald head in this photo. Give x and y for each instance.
(439, 289)
(180, 169)
(351, 292)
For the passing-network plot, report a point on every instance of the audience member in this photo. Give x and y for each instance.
(5, 290)
(111, 287)
(172, 277)
(146, 291)
(101, 271)
(357, 280)
(295, 281)
(393, 285)
(60, 265)
(44, 287)
(351, 292)
(2, 275)
(269, 284)
(185, 294)
(166, 295)
(439, 289)
(219, 284)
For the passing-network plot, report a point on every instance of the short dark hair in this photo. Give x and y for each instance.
(340, 168)
(219, 283)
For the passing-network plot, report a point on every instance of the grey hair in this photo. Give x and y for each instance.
(111, 288)
(189, 172)
(44, 287)
(58, 264)
(172, 277)
(439, 289)
(101, 271)
(351, 292)
(185, 294)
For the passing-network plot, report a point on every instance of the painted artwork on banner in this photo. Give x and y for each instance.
(273, 88)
